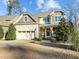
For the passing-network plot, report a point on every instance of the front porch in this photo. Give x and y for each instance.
(47, 31)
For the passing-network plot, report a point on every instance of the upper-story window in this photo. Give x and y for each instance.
(57, 18)
(46, 20)
(25, 18)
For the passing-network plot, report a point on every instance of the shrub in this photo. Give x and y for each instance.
(53, 40)
(11, 33)
(37, 39)
(1, 32)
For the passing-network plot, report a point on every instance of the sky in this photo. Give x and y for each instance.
(35, 6)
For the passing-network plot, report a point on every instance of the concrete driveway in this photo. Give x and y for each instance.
(25, 50)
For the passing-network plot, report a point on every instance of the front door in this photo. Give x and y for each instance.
(48, 32)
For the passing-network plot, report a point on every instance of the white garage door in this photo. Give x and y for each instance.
(30, 35)
(25, 35)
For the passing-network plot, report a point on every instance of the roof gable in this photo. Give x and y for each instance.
(29, 21)
(45, 14)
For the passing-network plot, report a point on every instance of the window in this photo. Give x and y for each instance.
(57, 18)
(25, 19)
(46, 20)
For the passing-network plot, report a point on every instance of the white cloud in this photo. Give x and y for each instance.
(40, 3)
(24, 9)
(45, 5)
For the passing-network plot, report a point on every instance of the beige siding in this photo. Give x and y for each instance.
(22, 20)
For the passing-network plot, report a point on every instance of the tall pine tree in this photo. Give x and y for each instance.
(63, 30)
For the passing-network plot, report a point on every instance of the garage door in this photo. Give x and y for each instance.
(25, 35)
(30, 34)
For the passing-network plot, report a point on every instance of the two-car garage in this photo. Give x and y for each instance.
(25, 35)
(26, 31)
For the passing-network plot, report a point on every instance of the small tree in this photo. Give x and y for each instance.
(63, 30)
(1, 32)
(75, 39)
(11, 33)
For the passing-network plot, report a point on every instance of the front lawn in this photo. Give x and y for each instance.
(21, 50)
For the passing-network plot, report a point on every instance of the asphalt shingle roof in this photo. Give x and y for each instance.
(6, 20)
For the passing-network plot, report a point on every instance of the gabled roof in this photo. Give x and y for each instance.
(6, 20)
(29, 16)
(40, 14)
(30, 22)
(45, 14)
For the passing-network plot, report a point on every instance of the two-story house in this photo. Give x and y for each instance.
(48, 21)
(29, 27)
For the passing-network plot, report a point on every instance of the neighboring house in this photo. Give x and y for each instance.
(48, 21)
(29, 27)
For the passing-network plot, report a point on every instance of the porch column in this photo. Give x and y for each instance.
(51, 28)
(45, 33)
